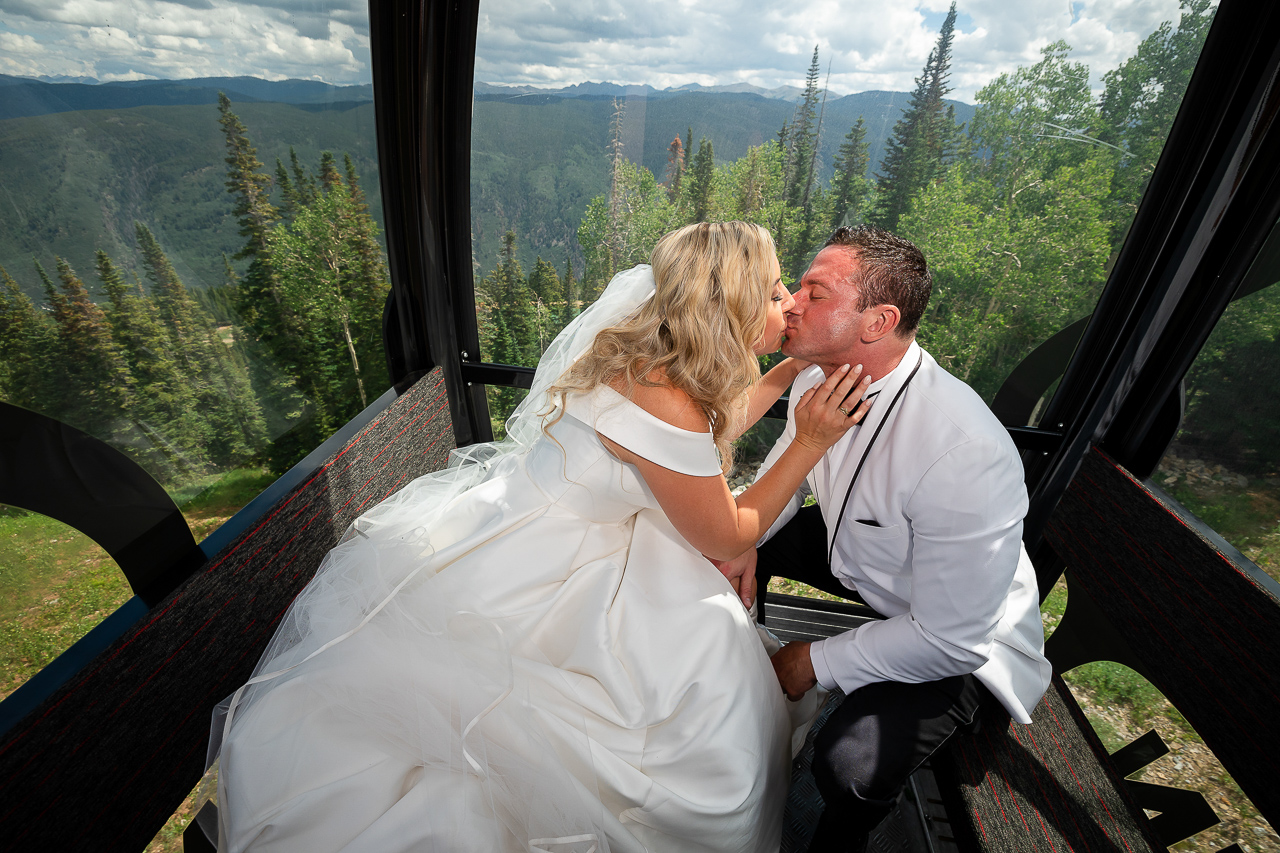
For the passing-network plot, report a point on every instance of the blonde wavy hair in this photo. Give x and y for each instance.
(713, 280)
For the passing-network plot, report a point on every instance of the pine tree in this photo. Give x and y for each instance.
(804, 139)
(328, 170)
(97, 389)
(220, 384)
(259, 300)
(675, 168)
(245, 181)
(167, 410)
(304, 184)
(923, 137)
(849, 185)
(287, 191)
(615, 178)
(702, 180)
(570, 291)
(28, 349)
(516, 304)
(544, 282)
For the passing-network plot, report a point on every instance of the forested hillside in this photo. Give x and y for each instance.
(537, 160)
(1019, 205)
(76, 181)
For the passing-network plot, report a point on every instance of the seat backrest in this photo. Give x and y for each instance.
(1202, 628)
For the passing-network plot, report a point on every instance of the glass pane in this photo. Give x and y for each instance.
(191, 266)
(1224, 462)
(55, 585)
(1122, 706)
(1011, 146)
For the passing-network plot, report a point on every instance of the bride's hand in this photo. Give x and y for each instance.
(820, 420)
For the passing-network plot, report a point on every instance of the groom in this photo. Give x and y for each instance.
(919, 513)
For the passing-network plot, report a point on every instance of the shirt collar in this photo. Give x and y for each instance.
(907, 363)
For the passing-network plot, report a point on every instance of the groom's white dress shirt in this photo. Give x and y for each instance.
(931, 538)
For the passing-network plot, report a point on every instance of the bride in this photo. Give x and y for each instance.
(529, 651)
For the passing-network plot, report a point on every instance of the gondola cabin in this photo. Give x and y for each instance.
(239, 308)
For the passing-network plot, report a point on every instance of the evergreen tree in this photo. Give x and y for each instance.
(221, 385)
(28, 350)
(544, 282)
(167, 410)
(923, 137)
(615, 176)
(288, 193)
(328, 170)
(304, 184)
(97, 389)
(246, 182)
(516, 304)
(514, 321)
(849, 185)
(570, 292)
(701, 181)
(675, 168)
(259, 302)
(803, 136)
(547, 290)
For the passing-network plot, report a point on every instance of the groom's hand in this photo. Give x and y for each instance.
(741, 572)
(794, 669)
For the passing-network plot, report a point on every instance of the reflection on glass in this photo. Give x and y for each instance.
(1224, 463)
(1017, 177)
(191, 267)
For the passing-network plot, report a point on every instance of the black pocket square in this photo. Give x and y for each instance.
(869, 522)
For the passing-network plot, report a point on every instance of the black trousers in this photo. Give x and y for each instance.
(881, 732)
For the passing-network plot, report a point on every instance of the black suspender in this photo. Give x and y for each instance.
(896, 397)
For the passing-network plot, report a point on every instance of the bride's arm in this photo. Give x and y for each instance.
(702, 509)
(767, 391)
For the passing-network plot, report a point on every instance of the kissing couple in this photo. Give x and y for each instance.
(547, 646)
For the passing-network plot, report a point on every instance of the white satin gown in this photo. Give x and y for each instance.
(553, 668)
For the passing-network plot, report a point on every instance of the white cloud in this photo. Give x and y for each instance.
(133, 39)
(871, 44)
(13, 44)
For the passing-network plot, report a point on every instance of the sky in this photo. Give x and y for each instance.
(868, 44)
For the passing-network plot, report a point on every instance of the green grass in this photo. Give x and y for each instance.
(1240, 517)
(56, 584)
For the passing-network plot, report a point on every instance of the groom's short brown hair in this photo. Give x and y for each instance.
(894, 272)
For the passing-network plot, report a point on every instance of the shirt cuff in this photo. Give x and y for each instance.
(818, 657)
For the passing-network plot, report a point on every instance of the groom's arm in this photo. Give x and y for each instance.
(966, 523)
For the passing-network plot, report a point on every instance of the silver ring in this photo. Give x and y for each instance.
(842, 410)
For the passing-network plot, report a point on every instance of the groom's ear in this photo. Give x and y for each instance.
(882, 320)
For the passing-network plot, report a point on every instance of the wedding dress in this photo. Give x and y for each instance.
(519, 653)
